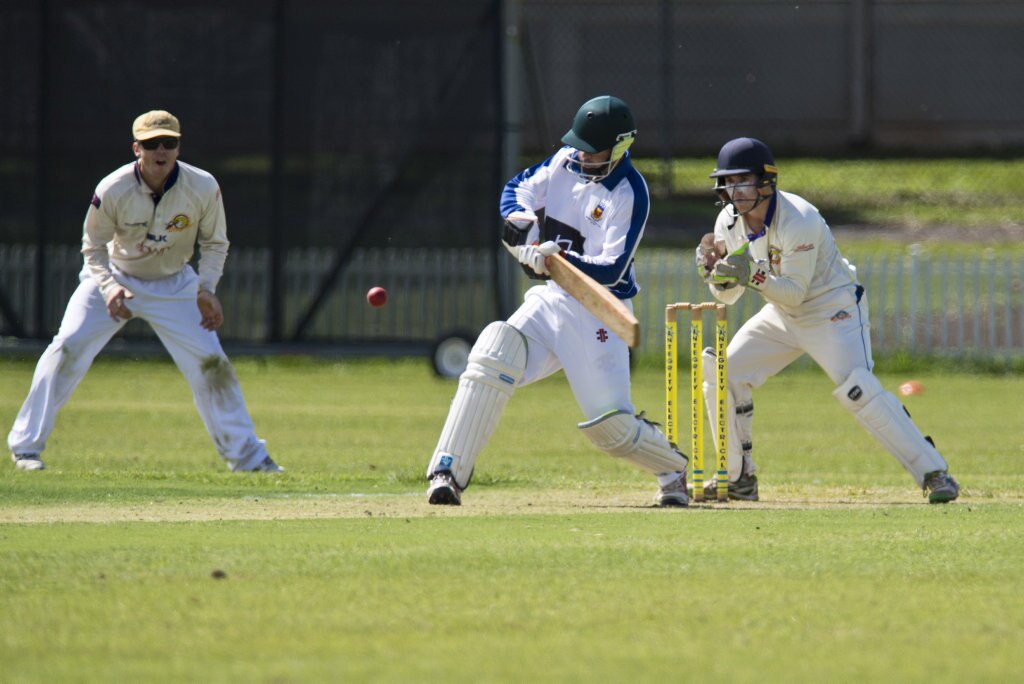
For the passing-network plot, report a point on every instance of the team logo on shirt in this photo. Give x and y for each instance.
(179, 223)
(841, 316)
(774, 255)
(598, 212)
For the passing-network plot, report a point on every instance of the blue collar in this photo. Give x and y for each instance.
(624, 166)
(172, 178)
(768, 218)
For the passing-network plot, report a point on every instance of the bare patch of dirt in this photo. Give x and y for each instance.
(478, 503)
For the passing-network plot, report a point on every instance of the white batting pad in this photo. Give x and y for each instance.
(884, 417)
(625, 436)
(497, 363)
(741, 420)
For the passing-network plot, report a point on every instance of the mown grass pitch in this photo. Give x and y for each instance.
(556, 568)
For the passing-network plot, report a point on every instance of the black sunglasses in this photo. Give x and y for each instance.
(169, 143)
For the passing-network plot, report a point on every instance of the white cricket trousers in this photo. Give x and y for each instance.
(169, 306)
(562, 335)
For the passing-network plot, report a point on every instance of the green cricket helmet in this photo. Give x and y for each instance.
(603, 123)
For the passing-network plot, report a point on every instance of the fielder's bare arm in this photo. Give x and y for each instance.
(595, 207)
(777, 244)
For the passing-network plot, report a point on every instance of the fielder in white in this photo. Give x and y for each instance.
(595, 209)
(779, 246)
(140, 232)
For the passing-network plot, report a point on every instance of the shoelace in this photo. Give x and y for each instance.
(932, 483)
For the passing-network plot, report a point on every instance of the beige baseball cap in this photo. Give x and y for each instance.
(156, 124)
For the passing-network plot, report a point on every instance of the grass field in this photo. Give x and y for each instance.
(137, 557)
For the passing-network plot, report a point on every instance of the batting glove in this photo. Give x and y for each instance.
(518, 225)
(533, 256)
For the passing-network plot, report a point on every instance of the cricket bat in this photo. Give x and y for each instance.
(595, 298)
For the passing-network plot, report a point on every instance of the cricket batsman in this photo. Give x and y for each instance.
(595, 206)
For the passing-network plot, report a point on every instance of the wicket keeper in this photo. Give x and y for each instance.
(779, 246)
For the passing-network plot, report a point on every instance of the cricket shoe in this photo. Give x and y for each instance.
(940, 487)
(267, 465)
(444, 490)
(673, 495)
(743, 489)
(28, 462)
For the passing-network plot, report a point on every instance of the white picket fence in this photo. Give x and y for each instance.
(920, 304)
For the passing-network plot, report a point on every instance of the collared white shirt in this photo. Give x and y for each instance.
(150, 236)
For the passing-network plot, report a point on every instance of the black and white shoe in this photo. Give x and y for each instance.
(28, 462)
(673, 495)
(267, 465)
(743, 489)
(940, 487)
(444, 490)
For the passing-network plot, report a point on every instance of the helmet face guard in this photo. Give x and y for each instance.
(595, 171)
(603, 123)
(743, 156)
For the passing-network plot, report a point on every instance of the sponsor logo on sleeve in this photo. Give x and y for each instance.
(806, 247)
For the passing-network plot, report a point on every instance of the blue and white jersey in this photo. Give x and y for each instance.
(598, 224)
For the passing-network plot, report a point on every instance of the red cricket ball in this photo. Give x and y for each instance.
(911, 387)
(377, 296)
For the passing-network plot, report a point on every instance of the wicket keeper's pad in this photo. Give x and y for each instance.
(882, 414)
(625, 436)
(497, 363)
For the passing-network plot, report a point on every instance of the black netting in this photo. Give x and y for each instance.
(382, 117)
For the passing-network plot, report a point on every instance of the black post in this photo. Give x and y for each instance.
(276, 291)
(42, 170)
(667, 147)
(498, 282)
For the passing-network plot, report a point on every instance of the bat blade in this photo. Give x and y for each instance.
(596, 299)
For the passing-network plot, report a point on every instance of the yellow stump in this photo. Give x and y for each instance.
(697, 405)
(697, 399)
(722, 399)
(671, 376)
